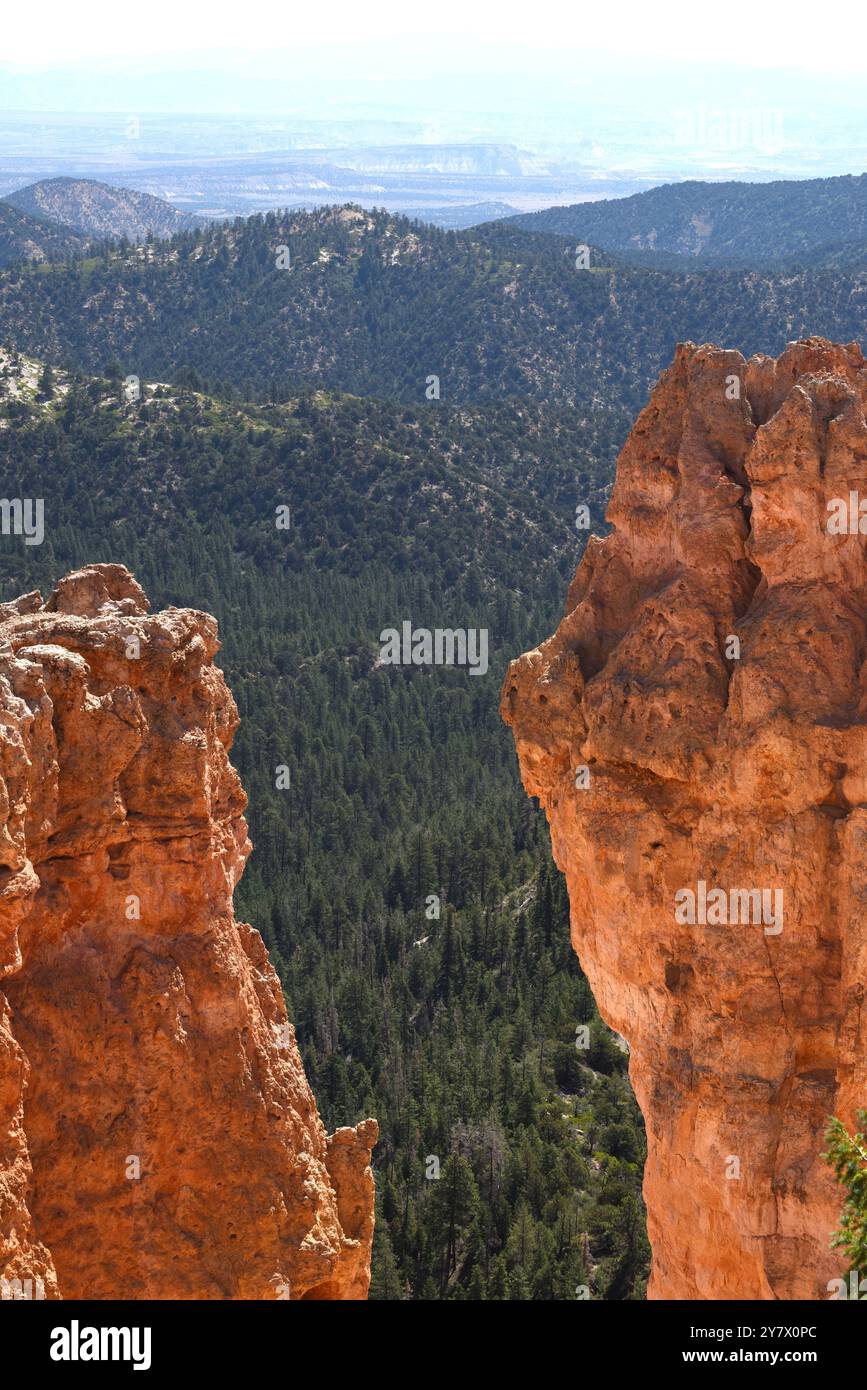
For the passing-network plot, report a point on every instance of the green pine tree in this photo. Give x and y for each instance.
(847, 1156)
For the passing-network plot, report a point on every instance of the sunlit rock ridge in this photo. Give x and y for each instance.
(158, 1138)
(698, 723)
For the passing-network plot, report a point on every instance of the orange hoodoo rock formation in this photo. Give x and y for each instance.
(158, 1138)
(718, 764)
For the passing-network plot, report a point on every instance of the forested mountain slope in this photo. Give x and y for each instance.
(457, 1031)
(756, 222)
(378, 306)
(26, 238)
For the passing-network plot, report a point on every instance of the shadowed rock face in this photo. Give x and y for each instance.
(158, 1138)
(708, 769)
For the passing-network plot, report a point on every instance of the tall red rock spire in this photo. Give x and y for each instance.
(158, 1138)
(710, 676)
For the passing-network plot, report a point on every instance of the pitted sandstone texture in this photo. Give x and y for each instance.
(158, 1138)
(743, 773)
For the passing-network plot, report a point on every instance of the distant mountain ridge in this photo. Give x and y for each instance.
(375, 305)
(757, 222)
(102, 210)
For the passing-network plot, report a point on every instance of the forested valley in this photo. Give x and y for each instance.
(402, 881)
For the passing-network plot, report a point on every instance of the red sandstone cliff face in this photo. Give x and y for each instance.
(158, 1138)
(739, 772)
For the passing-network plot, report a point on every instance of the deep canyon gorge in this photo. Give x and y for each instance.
(696, 730)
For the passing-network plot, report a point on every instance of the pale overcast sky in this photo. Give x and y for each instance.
(485, 35)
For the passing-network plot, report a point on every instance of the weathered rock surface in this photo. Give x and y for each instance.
(740, 772)
(158, 1138)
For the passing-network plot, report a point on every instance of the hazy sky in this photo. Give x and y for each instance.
(488, 35)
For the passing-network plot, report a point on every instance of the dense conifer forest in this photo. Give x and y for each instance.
(402, 881)
(372, 304)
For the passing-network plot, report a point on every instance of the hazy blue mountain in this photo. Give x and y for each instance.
(100, 210)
